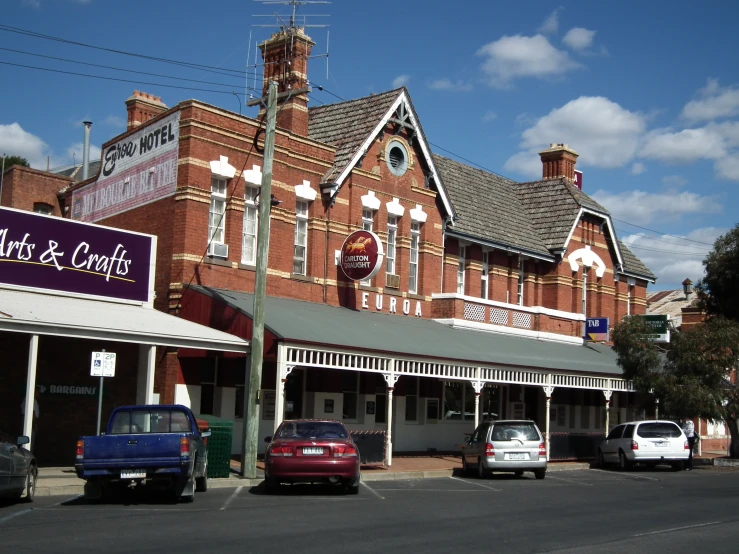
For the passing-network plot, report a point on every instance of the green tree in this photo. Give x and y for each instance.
(690, 375)
(719, 289)
(15, 160)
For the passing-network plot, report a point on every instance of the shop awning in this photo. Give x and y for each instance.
(318, 324)
(49, 314)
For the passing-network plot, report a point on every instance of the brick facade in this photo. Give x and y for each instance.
(32, 190)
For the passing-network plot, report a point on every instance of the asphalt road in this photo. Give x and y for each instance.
(574, 511)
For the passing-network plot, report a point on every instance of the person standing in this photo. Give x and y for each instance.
(689, 430)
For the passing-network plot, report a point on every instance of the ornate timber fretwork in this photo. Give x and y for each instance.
(402, 120)
(304, 356)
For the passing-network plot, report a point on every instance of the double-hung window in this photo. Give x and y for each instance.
(392, 232)
(521, 276)
(460, 268)
(484, 277)
(368, 220)
(249, 233)
(301, 238)
(413, 272)
(217, 215)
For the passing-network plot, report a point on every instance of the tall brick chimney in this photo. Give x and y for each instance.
(558, 161)
(142, 107)
(285, 57)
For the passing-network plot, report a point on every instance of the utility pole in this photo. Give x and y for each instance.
(2, 176)
(251, 418)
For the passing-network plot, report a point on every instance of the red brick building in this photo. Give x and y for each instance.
(478, 309)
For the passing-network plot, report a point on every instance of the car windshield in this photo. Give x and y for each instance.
(155, 420)
(658, 430)
(515, 431)
(312, 430)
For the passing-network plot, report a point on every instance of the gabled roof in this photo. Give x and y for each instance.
(489, 207)
(633, 265)
(75, 171)
(351, 127)
(669, 302)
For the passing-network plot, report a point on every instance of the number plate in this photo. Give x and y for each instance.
(661, 444)
(312, 451)
(132, 474)
(520, 456)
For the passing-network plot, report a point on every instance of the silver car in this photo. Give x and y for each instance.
(645, 442)
(18, 469)
(512, 446)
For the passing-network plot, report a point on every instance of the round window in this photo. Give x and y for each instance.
(397, 158)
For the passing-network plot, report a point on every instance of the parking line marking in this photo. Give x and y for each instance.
(373, 491)
(570, 481)
(230, 499)
(475, 483)
(637, 477)
(63, 501)
(16, 514)
(679, 528)
(431, 490)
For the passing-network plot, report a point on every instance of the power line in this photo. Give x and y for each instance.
(668, 251)
(661, 233)
(662, 240)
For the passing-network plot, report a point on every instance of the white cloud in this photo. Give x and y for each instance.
(489, 116)
(74, 152)
(645, 208)
(728, 168)
(716, 102)
(14, 141)
(446, 84)
(35, 4)
(675, 181)
(672, 259)
(551, 23)
(686, 146)
(512, 57)
(401, 81)
(638, 168)
(579, 38)
(602, 132)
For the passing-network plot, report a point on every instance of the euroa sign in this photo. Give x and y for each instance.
(45, 252)
(361, 255)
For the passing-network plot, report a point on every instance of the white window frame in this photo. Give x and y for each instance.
(413, 258)
(628, 299)
(521, 279)
(392, 236)
(466, 388)
(585, 292)
(485, 292)
(415, 395)
(216, 216)
(368, 222)
(461, 261)
(251, 213)
(301, 224)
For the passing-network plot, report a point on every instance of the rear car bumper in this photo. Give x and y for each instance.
(637, 457)
(300, 468)
(514, 465)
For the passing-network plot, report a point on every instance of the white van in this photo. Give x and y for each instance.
(645, 442)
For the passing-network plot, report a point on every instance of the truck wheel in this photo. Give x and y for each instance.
(93, 492)
(201, 483)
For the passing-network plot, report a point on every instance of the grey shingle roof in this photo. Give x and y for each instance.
(634, 265)
(551, 208)
(75, 171)
(488, 206)
(347, 125)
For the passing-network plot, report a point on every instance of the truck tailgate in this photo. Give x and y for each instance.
(140, 450)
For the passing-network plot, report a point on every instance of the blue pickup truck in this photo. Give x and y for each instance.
(159, 446)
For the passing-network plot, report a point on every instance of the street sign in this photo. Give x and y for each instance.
(659, 327)
(596, 329)
(103, 364)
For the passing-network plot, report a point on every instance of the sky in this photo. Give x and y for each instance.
(646, 92)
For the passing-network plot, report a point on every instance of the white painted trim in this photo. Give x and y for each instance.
(395, 208)
(370, 201)
(222, 168)
(588, 258)
(417, 214)
(421, 141)
(253, 176)
(498, 304)
(607, 219)
(499, 329)
(304, 192)
(500, 247)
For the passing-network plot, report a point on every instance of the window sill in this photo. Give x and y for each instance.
(298, 277)
(369, 288)
(414, 296)
(392, 292)
(248, 267)
(212, 260)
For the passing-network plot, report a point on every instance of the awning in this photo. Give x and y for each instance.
(48, 314)
(297, 321)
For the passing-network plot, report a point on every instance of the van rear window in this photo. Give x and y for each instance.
(155, 420)
(658, 430)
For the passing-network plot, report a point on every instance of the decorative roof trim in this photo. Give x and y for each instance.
(222, 168)
(421, 141)
(588, 258)
(607, 219)
(304, 192)
(253, 176)
(417, 214)
(499, 246)
(370, 201)
(394, 208)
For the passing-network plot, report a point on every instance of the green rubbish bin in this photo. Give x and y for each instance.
(219, 444)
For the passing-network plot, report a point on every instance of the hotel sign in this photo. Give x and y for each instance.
(361, 255)
(43, 252)
(137, 170)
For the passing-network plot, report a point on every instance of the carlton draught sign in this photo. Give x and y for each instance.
(361, 255)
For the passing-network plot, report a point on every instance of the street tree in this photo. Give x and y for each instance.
(718, 291)
(15, 160)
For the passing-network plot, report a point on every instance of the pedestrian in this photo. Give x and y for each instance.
(34, 428)
(689, 430)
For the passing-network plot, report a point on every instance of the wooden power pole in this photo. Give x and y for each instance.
(251, 418)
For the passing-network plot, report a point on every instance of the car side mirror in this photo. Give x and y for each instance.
(267, 439)
(22, 440)
(205, 433)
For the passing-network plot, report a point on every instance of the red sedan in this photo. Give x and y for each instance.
(310, 451)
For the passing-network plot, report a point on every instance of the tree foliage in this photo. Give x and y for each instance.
(719, 289)
(15, 160)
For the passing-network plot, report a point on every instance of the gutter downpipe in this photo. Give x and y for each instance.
(443, 249)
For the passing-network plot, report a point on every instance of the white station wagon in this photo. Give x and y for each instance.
(645, 442)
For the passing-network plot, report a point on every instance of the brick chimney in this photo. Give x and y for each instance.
(142, 107)
(558, 161)
(285, 57)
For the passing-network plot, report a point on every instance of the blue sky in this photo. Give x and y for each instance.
(646, 92)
